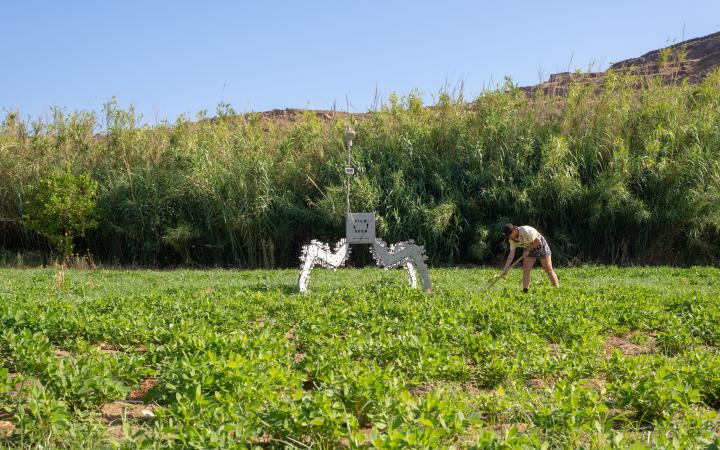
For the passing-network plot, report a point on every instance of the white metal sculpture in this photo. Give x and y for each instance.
(360, 229)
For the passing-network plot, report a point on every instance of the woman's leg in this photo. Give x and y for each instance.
(528, 263)
(547, 265)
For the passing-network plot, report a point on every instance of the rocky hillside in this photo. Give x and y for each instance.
(692, 60)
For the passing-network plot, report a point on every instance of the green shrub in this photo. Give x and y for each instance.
(61, 207)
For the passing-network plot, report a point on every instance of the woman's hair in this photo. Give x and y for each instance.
(508, 229)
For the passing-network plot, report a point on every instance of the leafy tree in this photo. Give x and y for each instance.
(61, 207)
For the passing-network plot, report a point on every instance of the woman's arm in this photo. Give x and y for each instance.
(509, 261)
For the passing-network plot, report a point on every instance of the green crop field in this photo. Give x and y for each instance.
(231, 359)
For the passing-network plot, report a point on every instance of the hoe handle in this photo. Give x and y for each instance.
(502, 275)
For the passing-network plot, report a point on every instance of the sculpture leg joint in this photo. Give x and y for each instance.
(407, 254)
(319, 253)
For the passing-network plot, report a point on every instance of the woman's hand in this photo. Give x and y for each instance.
(535, 244)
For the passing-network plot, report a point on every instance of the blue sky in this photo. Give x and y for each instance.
(173, 57)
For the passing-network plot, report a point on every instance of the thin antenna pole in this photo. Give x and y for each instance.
(347, 177)
(349, 135)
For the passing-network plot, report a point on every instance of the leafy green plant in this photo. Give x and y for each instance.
(227, 359)
(657, 395)
(41, 418)
(61, 207)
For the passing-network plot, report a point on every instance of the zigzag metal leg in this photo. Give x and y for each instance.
(412, 276)
(318, 253)
(407, 254)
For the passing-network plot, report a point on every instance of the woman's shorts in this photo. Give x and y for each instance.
(543, 250)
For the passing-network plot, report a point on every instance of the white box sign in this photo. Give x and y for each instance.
(360, 228)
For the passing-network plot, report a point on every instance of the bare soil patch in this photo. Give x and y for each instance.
(595, 383)
(427, 387)
(502, 428)
(264, 439)
(122, 410)
(555, 350)
(6, 428)
(626, 347)
(108, 348)
(142, 391)
(540, 383)
(133, 410)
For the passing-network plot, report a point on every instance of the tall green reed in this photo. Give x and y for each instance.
(629, 173)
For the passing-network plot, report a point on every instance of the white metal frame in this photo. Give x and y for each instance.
(406, 254)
